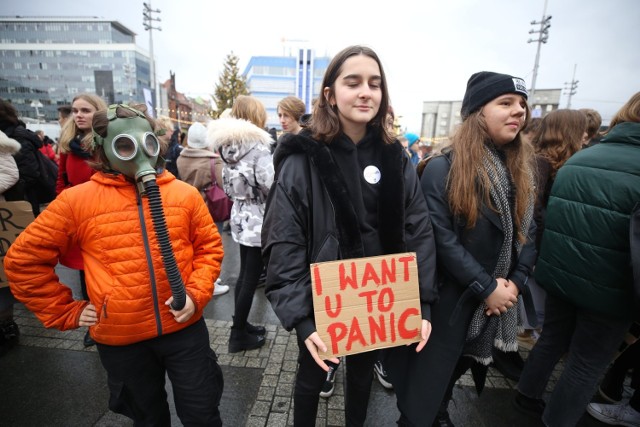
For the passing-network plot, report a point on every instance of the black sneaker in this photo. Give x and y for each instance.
(528, 405)
(381, 375)
(329, 383)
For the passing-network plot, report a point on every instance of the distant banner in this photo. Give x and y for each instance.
(14, 217)
(148, 99)
(366, 303)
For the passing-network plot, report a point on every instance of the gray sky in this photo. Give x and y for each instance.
(428, 48)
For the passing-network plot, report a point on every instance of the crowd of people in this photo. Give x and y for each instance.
(526, 232)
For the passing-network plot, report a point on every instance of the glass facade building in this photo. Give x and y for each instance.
(271, 78)
(47, 61)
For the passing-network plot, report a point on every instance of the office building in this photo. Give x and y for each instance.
(271, 78)
(46, 61)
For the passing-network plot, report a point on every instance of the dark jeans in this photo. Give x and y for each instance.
(311, 377)
(136, 377)
(591, 341)
(250, 269)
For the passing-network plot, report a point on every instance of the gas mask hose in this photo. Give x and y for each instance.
(162, 234)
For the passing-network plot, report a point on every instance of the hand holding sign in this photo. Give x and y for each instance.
(367, 303)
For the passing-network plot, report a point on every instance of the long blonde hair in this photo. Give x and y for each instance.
(467, 144)
(70, 130)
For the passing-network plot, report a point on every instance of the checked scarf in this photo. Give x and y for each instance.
(501, 331)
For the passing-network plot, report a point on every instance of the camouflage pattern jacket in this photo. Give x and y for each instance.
(247, 174)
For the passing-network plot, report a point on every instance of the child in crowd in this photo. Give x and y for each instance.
(146, 301)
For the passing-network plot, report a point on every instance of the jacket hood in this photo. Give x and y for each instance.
(8, 145)
(234, 138)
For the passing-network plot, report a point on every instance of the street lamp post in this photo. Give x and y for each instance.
(571, 87)
(543, 36)
(147, 21)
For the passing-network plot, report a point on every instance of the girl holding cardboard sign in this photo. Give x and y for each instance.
(343, 189)
(484, 242)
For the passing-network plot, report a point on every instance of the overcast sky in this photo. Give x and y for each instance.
(428, 48)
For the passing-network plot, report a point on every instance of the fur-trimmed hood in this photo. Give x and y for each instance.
(8, 145)
(234, 138)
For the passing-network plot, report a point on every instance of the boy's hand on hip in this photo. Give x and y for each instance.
(185, 314)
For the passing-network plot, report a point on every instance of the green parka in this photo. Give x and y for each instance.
(584, 257)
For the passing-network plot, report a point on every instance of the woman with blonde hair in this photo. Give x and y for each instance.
(73, 167)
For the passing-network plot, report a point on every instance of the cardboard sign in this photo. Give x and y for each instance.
(366, 303)
(14, 217)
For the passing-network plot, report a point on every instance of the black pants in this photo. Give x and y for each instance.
(250, 269)
(311, 377)
(136, 376)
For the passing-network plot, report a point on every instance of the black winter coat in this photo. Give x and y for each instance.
(310, 218)
(27, 162)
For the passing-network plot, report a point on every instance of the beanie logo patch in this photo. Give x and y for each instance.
(520, 86)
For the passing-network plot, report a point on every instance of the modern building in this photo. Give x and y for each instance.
(271, 78)
(440, 118)
(46, 61)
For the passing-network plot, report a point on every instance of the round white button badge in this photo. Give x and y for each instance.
(371, 174)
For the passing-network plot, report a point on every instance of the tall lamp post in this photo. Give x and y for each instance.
(571, 87)
(147, 21)
(543, 36)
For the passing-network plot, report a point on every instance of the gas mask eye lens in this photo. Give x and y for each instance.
(124, 147)
(151, 144)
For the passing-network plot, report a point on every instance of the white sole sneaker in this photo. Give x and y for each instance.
(220, 289)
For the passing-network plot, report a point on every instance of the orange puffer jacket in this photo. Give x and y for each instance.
(125, 276)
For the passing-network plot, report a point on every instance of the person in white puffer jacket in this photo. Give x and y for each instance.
(247, 176)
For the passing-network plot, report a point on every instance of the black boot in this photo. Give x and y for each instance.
(241, 340)
(256, 330)
(252, 329)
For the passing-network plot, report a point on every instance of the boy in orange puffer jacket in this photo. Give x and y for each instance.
(151, 254)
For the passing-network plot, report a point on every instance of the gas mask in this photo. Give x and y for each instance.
(131, 146)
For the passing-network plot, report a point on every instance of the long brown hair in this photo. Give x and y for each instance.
(325, 124)
(70, 130)
(560, 137)
(467, 144)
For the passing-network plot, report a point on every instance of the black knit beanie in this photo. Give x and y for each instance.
(485, 86)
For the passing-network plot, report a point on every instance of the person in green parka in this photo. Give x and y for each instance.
(585, 267)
